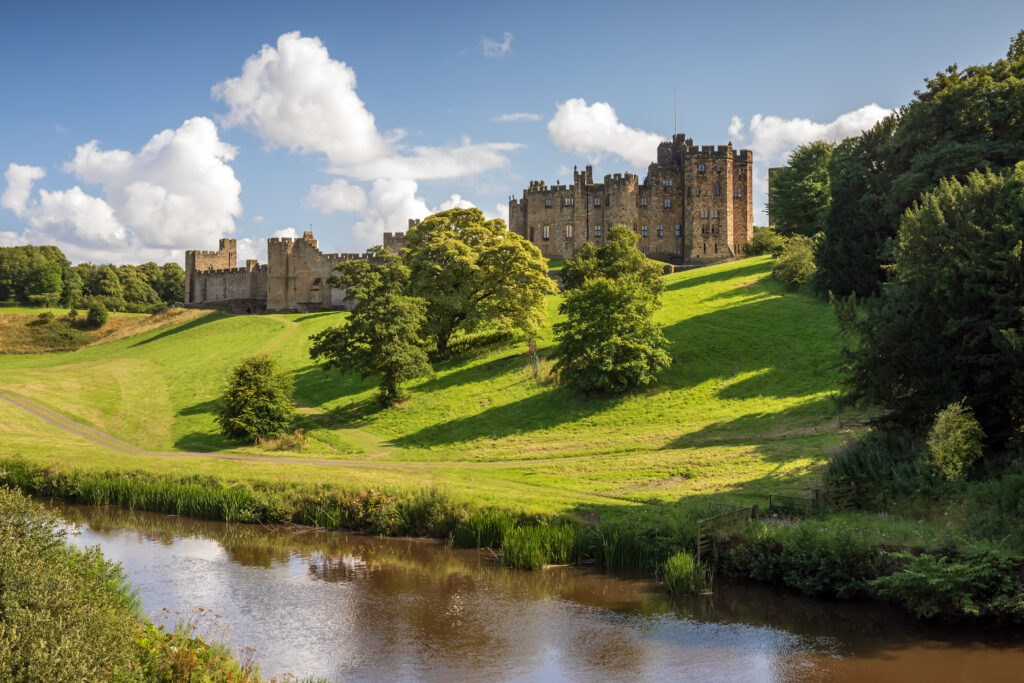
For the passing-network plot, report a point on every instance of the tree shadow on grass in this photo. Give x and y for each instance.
(190, 325)
(535, 413)
(749, 271)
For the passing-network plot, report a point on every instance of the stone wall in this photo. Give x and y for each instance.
(694, 206)
(205, 261)
(298, 273)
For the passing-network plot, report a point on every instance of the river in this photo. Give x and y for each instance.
(352, 607)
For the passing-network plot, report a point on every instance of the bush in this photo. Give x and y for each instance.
(880, 464)
(795, 265)
(931, 586)
(765, 241)
(97, 315)
(73, 315)
(954, 442)
(45, 317)
(683, 574)
(257, 403)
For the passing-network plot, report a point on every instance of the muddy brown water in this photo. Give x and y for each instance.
(351, 607)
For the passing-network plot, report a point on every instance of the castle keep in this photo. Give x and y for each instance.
(694, 206)
(293, 279)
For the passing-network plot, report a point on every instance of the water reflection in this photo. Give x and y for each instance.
(355, 607)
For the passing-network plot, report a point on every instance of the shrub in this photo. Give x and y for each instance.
(97, 315)
(683, 574)
(45, 317)
(765, 241)
(931, 586)
(795, 265)
(73, 315)
(954, 442)
(257, 402)
(879, 463)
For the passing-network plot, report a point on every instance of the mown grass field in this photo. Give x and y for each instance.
(746, 408)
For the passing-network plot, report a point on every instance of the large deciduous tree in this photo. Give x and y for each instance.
(949, 324)
(381, 336)
(617, 257)
(801, 193)
(472, 272)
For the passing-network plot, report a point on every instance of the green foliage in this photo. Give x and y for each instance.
(936, 586)
(765, 241)
(616, 258)
(794, 267)
(381, 336)
(473, 272)
(68, 615)
(814, 557)
(954, 442)
(257, 401)
(534, 546)
(800, 191)
(32, 275)
(97, 315)
(484, 528)
(880, 465)
(1016, 51)
(609, 341)
(948, 324)
(683, 574)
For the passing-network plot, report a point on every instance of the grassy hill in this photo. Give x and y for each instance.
(746, 407)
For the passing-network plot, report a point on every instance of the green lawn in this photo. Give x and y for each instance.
(745, 409)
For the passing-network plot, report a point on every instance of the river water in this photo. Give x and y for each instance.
(351, 607)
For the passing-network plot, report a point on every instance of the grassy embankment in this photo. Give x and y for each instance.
(22, 330)
(745, 409)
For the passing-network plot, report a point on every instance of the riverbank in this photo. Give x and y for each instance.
(67, 614)
(849, 555)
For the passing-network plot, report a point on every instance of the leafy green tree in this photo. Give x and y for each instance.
(97, 315)
(135, 286)
(1016, 50)
(801, 192)
(257, 401)
(473, 272)
(609, 341)
(616, 258)
(765, 241)
(948, 324)
(955, 441)
(107, 287)
(171, 283)
(794, 267)
(381, 336)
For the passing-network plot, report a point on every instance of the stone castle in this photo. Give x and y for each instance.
(293, 279)
(694, 206)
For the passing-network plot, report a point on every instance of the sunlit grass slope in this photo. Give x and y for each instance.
(745, 408)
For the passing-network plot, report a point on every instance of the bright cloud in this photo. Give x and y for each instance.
(493, 48)
(517, 116)
(391, 203)
(338, 196)
(773, 138)
(595, 131)
(176, 192)
(435, 163)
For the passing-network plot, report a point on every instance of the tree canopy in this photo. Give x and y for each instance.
(617, 257)
(801, 192)
(381, 336)
(473, 272)
(949, 324)
(257, 401)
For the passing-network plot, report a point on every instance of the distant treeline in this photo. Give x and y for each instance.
(43, 276)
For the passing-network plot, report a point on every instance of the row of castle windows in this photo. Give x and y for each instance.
(597, 231)
(716, 190)
(701, 168)
(704, 213)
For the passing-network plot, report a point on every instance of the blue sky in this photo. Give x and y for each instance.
(130, 132)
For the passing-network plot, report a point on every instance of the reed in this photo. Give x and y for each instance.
(484, 528)
(536, 545)
(683, 574)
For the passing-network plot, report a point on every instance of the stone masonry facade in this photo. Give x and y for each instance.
(695, 206)
(293, 279)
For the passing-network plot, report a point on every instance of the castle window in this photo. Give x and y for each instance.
(643, 231)
(547, 232)
(547, 203)
(667, 203)
(643, 202)
(597, 201)
(714, 213)
(597, 231)
(740, 172)
(568, 201)
(661, 231)
(737, 192)
(703, 213)
(679, 230)
(705, 247)
(698, 190)
(568, 232)
(700, 168)
(718, 167)
(666, 183)
(716, 189)
(716, 247)
(706, 229)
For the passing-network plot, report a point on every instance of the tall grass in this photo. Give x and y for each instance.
(484, 528)
(683, 574)
(534, 546)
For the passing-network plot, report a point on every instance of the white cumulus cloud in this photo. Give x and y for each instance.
(19, 187)
(493, 48)
(338, 196)
(517, 116)
(595, 131)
